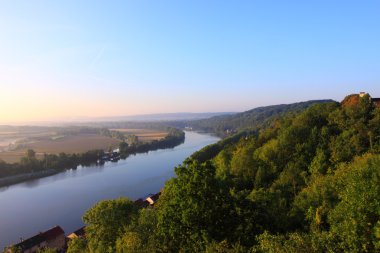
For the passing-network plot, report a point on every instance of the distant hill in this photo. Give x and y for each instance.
(252, 119)
(307, 183)
(140, 118)
(165, 116)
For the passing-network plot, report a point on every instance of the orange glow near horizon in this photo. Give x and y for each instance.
(59, 63)
(23, 104)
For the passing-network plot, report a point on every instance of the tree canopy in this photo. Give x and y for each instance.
(304, 182)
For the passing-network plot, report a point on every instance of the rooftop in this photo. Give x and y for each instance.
(41, 237)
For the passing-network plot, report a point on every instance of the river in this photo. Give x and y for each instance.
(62, 199)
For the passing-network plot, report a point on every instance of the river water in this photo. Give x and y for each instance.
(62, 199)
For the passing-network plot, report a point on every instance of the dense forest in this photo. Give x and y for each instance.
(303, 182)
(257, 118)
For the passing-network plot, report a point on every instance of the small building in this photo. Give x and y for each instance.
(80, 233)
(53, 238)
(149, 200)
(152, 199)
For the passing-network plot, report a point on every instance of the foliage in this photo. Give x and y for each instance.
(129, 242)
(77, 245)
(308, 181)
(253, 119)
(133, 146)
(194, 209)
(106, 221)
(357, 215)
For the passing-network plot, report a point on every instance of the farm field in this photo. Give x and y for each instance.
(74, 144)
(143, 135)
(67, 144)
(15, 141)
(12, 137)
(15, 156)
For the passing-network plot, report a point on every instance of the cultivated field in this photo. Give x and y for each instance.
(144, 135)
(67, 144)
(15, 141)
(13, 137)
(14, 156)
(74, 144)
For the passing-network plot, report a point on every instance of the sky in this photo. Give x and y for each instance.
(66, 60)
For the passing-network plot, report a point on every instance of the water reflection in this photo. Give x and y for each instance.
(62, 199)
(5, 188)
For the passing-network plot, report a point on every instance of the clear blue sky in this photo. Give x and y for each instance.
(62, 59)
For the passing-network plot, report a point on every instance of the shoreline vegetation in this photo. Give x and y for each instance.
(305, 181)
(30, 167)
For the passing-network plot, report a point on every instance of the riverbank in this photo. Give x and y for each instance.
(32, 168)
(57, 234)
(63, 198)
(7, 181)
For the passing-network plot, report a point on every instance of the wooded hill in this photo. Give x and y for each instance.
(304, 182)
(225, 125)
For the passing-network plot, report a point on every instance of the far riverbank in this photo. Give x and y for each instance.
(31, 168)
(62, 198)
(7, 181)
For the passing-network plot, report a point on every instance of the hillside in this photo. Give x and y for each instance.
(223, 124)
(164, 117)
(253, 119)
(306, 182)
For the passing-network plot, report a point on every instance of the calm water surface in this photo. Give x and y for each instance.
(61, 199)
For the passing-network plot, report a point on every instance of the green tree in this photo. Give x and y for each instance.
(30, 154)
(106, 221)
(29, 161)
(242, 163)
(123, 147)
(129, 242)
(222, 162)
(193, 209)
(224, 247)
(290, 243)
(140, 234)
(356, 218)
(77, 245)
(319, 165)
